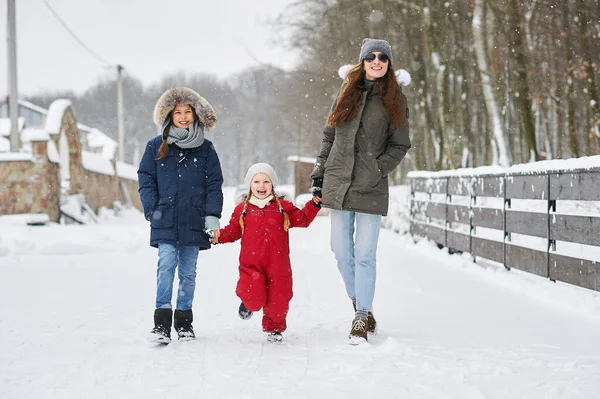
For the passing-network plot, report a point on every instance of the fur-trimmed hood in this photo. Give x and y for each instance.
(167, 101)
(402, 76)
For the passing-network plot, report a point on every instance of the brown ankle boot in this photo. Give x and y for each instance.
(372, 324)
(371, 319)
(358, 332)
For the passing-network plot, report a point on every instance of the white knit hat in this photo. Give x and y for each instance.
(261, 167)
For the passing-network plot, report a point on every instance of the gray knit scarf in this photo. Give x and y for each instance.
(184, 138)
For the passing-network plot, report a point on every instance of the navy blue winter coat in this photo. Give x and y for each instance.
(178, 191)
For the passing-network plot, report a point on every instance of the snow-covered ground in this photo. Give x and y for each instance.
(76, 303)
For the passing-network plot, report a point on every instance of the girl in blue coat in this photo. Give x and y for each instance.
(180, 186)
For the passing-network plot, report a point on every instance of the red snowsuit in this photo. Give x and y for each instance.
(265, 270)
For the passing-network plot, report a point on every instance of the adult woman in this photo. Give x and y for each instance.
(366, 137)
(180, 182)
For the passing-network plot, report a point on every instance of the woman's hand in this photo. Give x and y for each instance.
(316, 193)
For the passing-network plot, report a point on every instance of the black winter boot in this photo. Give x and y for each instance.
(161, 333)
(275, 336)
(243, 312)
(183, 324)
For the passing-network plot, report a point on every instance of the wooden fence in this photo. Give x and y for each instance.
(453, 210)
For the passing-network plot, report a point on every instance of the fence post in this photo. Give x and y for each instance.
(549, 241)
(472, 202)
(505, 206)
(447, 223)
(412, 200)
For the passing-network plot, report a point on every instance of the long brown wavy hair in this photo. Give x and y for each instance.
(349, 101)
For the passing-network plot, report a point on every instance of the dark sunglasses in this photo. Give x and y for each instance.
(371, 57)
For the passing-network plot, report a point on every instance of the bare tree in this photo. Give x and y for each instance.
(499, 145)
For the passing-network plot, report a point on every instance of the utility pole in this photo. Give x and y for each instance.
(121, 128)
(11, 39)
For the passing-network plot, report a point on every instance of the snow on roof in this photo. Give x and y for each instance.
(55, 115)
(555, 165)
(96, 138)
(96, 163)
(296, 158)
(126, 171)
(28, 105)
(33, 107)
(84, 128)
(5, 125)
(34, 134)
(16, 156)
(4, 144)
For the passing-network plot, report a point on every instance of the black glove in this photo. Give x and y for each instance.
(317, 182)
(316, 192)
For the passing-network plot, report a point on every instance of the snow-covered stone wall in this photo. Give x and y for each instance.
(30, 185)
(30, 181)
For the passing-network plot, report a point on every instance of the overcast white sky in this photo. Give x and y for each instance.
(148, 37)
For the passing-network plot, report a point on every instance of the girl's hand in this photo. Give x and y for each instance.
(215, 236)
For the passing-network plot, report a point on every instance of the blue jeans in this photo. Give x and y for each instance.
(169, 257)
(355, 253)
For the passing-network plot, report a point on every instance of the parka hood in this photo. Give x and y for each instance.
(167, 101)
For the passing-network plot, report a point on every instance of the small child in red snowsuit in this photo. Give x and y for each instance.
(262, 222)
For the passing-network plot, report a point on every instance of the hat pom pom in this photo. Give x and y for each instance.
(343, 71)
(403, 77)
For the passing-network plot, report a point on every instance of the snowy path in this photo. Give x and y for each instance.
(77, 303)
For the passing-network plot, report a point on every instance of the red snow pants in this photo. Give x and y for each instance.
(266, 282)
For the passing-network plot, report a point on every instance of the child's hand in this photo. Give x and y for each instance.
(215, 236)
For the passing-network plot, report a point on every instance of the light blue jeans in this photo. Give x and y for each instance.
(356, 253)
(184, 259)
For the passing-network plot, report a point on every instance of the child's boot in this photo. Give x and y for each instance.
(243, 312)
(161, 333)
(274, 336)
(183, 324)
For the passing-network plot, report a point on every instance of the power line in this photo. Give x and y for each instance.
(89, 50)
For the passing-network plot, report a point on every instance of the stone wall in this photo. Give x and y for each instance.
(30, 186)
(47, 186)
(132, 188)
(70, 130)
(17, 191)
(101, 190)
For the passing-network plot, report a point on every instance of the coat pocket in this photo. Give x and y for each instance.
(197, 213)
(366, 172)
(162, 216)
